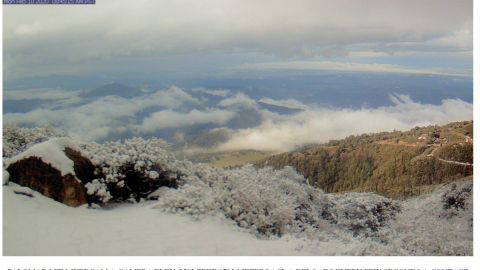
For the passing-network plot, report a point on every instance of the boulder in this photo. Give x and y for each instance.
(46, 169)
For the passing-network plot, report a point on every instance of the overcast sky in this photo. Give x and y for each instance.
(181, 38)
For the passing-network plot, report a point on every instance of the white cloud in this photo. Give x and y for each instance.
(319, 125)
(172, 98)
(240, 100)
(461, 39)
(170, 119)
(343, 66)
(102, 117)
(27, 29)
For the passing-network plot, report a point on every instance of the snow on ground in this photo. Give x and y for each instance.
(41, 226)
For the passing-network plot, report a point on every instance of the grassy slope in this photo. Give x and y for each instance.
(225, 159)
(396, 164)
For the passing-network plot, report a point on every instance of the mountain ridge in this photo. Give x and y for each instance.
(395, 164)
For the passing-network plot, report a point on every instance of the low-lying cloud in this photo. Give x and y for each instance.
(252, 126)
(319, 125)
(170, 119)
(212, 92)
(104, 116)
(239, 100)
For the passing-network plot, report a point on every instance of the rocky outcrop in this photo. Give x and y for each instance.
(40, 176)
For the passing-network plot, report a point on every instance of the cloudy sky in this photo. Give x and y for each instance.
(387, 65)
(187, 38)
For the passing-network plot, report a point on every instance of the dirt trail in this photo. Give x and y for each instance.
(454, 162)
(399, 143)
(436, 147)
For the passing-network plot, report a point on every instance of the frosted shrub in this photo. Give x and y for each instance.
(456, 197)
(17, 140)
(254, 199)
(426, 227)
(128, 170)
(98, 190)
(362, 212)
(273, 202)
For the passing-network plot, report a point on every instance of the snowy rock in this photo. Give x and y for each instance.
(51, 152)
(55, 169)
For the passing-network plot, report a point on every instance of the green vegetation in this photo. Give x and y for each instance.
(457, 152)
(229, 159)
(396, 164)
(238, 158)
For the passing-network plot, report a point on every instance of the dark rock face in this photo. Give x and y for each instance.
(42, 177)
(83, 167)
(39, 176)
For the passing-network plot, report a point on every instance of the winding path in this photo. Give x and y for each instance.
(436, 147)
(454, 162)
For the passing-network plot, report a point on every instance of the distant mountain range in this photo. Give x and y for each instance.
(113, 89)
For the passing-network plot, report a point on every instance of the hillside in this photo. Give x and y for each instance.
(230, 159)
(203, 149)
(396, 164)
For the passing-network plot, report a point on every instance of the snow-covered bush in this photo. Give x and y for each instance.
(456, 197)
(362, 212)
(128, 170)
(425, 226)
(17, 140)
(273, 202)
(98, 191)
(263, 200)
